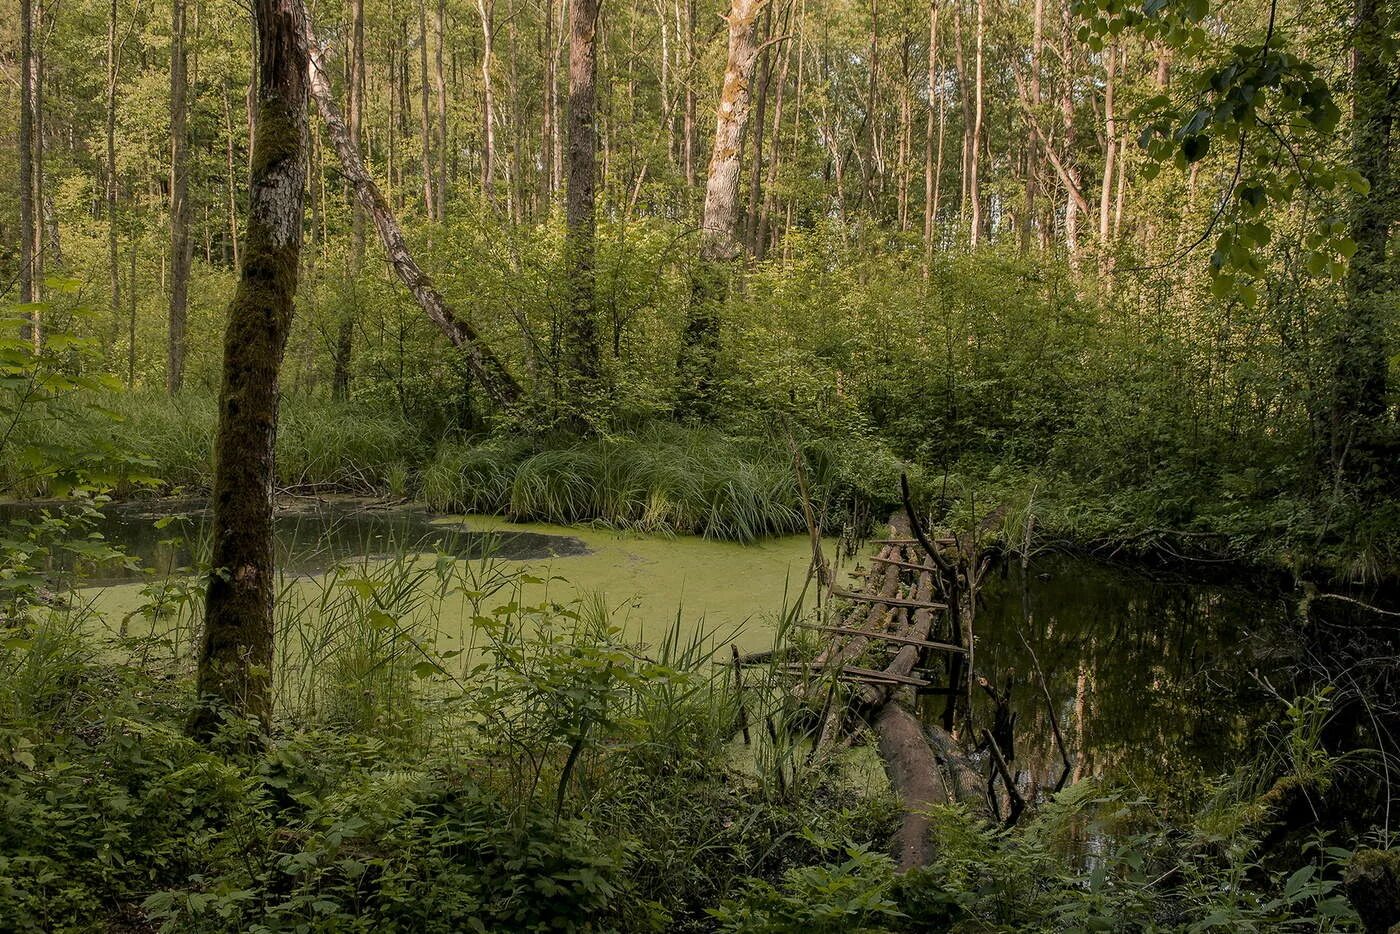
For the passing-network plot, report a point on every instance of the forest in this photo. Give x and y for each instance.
(700, 465)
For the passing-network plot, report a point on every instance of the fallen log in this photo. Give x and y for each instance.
(916, 779)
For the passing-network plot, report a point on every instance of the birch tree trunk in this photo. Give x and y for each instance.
(1110, 145)
(719, 245)
(491, 372)
(486, 9)
(234, 677)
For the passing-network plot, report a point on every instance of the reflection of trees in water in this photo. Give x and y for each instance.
(1150, 678)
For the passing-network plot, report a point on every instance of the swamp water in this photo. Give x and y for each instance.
(1154, 678)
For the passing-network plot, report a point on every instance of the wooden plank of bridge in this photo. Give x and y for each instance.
(889, 637)
(910, 542)
(854, 673)
(889, 601)
(910, 565)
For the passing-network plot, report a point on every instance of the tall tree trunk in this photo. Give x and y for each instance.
(761, 233)
(114, 274)
(1068, 168)
(689, 117)
(440, 84)
(551, 83)
(487, 11)
(581, 329)
(872, 106)
(345, 329)
(1031, 220)
(965, 101)
(231, 183)
(425, 117)
(235, 662)
(26, 152)
(40, 202)
(975, 163)
(906, 134)
(489, 370)
(719, 245)
(181, 245)
(1358, 407)
(935, 111)
(765, 70)
(1110, 155)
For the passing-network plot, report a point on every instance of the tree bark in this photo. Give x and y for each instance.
(551, 83)
(719, 245)
(440, 85)
(932, 160)
(491, 372)
(425, 119)
(181, 245)
(26, 152)
(114, 276)
(581, 335)
(345, 329)
(689, 117)
(975, 161)
(1068, 171)
(487, 10)
(235, 661)
(1110, 157)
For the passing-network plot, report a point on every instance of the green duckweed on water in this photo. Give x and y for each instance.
(722, 590)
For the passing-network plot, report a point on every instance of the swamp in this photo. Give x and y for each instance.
(699, 465)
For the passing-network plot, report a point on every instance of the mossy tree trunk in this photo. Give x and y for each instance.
(719, 244)
(581, 329)
(235, 662)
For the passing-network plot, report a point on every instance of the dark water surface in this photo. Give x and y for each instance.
(165, 537)
(1154, 677)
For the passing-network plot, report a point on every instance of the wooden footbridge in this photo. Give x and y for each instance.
(898, 645)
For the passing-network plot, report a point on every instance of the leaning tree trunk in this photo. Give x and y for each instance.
(235, 662)
(581, 347)
(719, 245)
(487, 367)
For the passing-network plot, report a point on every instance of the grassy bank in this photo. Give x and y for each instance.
(739, 483)
(658, 477)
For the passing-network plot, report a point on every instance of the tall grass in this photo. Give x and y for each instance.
(664, 478)
(320, 445)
